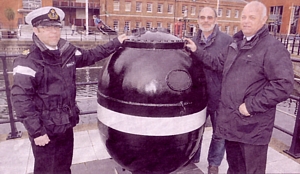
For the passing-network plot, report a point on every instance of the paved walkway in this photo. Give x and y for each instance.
(91, 157)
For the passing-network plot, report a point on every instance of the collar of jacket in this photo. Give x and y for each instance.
(213, 36)
(62, 44)
(239, 36)
(65, 50)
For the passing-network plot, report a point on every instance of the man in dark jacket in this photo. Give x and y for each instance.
(44, 89)
(211, 39)
(257, 75)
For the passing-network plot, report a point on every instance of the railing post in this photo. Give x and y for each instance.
(287, 42)
(294, 150)
(293, 44)
(14, 132)
(298, 46)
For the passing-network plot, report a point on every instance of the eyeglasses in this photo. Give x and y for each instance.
(51, 27)
(206, 17)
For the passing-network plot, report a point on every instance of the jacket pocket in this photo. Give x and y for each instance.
(55, 122)
(245, 124)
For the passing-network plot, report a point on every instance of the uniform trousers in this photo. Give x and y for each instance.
(246, 158)
(56, 156)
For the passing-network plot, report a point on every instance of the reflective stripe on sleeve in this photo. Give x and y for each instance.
(24, 70)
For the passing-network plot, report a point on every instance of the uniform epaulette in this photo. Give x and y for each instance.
(25, 52)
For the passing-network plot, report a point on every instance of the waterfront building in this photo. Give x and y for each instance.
(180, 16)
(283, 16)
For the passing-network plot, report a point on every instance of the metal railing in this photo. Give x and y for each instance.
(79, 35)
(291, 43)
(74, 4)
(294, 149)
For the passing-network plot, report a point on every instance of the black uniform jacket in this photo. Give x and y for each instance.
(44, 90)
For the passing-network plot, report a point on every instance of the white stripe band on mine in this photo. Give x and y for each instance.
(151, 126)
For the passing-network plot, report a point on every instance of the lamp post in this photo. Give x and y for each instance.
(185, 20)
(174, 11)
(87, 16)
(69, 12)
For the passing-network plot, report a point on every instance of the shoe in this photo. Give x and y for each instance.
(213, 170)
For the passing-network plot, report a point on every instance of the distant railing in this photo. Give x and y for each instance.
(79, 34)
(73, 4)
(291, 42)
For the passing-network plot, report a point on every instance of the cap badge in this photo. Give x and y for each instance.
(52, 14)
(25, 52)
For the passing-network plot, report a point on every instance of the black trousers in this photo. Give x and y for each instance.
(246, 158)
(55, 157)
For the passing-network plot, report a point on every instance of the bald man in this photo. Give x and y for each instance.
(257, 75)
(210, 38)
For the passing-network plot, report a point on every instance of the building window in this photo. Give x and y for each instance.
(193, 10)
(228, 13)
(127, 6)
(138, 6)
(276, 10)
(237, 14)
(149, 7)
(220, 12)
(295, 19)
(116, 5)
(148, 25)
(127, 25)
(227, 29)
(184, 10)
(170, 8)
(159, 8)
(32, 4)
(275, 19)
(235, 29)
(159, 25)
(138, 25)
(116, 25)
(169, 26)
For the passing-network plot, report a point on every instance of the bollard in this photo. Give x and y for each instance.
(294, 150)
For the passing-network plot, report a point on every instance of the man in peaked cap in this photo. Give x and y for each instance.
(44, 89)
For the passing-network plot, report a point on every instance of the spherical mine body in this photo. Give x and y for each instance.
(152, 103)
